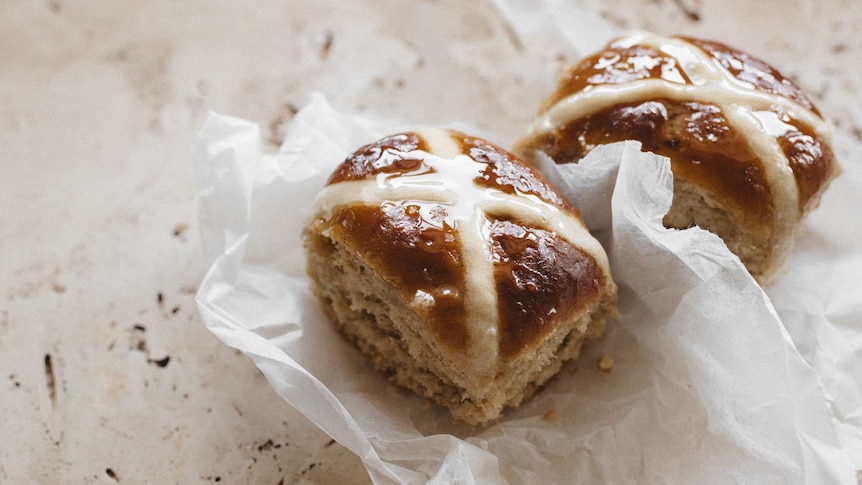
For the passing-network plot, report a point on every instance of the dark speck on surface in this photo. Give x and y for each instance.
(112, 474)
(163, 362)
(50, 380)
(689, 12)
(839, 48)
(180, 229)
(326, 46)
(266, 446)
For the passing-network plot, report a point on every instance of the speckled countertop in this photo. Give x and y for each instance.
(107, 374)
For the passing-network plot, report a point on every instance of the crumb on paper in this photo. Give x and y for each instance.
(606, 363)
(550, 414)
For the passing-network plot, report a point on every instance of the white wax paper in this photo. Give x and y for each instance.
(714, 381)
(706, 387)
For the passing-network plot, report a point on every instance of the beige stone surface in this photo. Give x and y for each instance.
(107, 374)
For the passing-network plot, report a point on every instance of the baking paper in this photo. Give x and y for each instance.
(713, 381)
(706, 386)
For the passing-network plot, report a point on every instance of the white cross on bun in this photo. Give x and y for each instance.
(749, 151)
(460, 271)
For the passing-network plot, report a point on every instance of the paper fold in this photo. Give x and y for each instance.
(707, 386)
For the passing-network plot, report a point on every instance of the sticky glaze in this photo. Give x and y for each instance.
(702, 146)
(808, 155)
(504, 172)
(617, 65)
(422, 221)
(370, 159)
(539, 277)
(753, 72)
(413, 248)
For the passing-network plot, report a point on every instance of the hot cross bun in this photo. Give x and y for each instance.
(749, 151)
(460, 271)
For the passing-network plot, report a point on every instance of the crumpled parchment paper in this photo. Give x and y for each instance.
(714, 381)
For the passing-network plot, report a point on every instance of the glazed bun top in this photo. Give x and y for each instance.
(729, 122)
(477, 243)
(684, 61)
